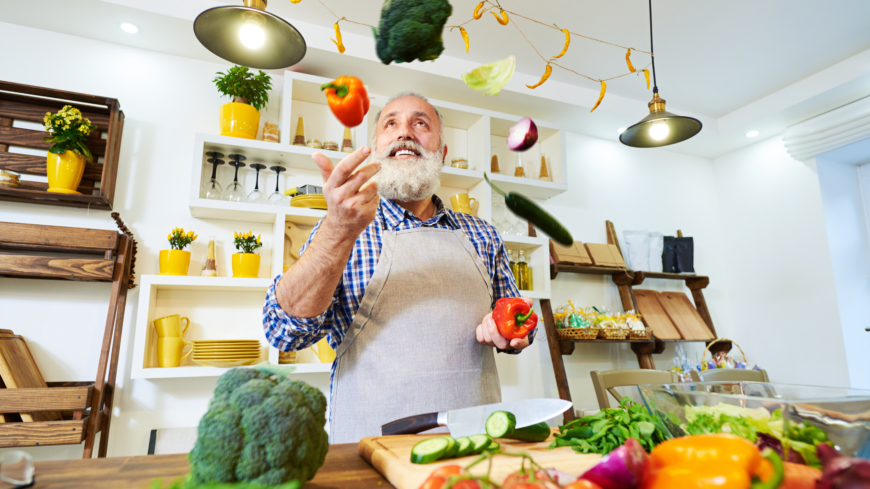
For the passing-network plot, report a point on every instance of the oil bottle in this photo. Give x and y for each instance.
(522, 272)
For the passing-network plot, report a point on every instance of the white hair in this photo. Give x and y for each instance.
(408, 93)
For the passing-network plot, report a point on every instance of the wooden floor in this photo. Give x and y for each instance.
(343, 469)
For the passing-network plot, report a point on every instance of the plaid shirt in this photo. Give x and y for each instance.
(289, 333)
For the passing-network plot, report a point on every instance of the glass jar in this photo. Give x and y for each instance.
(459, 163)
(330, 145)
(313, 143)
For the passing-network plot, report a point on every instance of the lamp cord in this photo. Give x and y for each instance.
(655, 84)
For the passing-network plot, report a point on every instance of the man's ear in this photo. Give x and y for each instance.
(444, 156)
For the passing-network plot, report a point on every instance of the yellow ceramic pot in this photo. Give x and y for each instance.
(65, 172)
(239, 120)
(246, 265)
(174, 262)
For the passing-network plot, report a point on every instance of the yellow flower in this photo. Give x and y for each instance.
(258, 239)
(190, 234)
(66, 127)
(250, 233)
(169, 237)
(235, 235)
(193, 238)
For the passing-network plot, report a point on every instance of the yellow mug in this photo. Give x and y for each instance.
(461, 203)
(170, 326)
(169, 351)
(324, 352)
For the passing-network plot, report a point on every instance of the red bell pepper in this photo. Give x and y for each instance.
(514, 318)
(348, 99)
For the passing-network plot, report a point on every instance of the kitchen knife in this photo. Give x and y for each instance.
(471, 421)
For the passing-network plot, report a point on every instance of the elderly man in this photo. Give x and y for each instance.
(402, 287)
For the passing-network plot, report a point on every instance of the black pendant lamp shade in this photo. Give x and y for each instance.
(660, 127)
(249, 36)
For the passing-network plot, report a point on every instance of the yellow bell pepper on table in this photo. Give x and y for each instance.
(719, 461)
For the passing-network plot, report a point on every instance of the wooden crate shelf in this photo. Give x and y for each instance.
(29, 104)
(43, 433)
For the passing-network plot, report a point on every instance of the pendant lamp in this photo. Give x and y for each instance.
(249, 36)
(660, 127)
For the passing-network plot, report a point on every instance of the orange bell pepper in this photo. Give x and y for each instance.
(708, 461)
(514, 318)
(348, 99)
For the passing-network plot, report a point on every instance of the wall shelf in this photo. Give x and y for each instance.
(198, 371)
(537, 189)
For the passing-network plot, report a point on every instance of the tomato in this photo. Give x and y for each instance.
(467, 484)
(582, 484)
(520, 480)
(434, 483)
(447, 471)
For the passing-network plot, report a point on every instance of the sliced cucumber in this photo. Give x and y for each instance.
(493, 447)
(500, 424)
(429, 450)
(536, 432)
(479, 443)
(465, 446)
(452, 447)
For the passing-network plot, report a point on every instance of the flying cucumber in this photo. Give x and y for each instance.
(528, 209)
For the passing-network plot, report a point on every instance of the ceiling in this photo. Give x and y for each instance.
(736, 65)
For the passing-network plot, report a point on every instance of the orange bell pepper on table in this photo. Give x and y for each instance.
(712, 461)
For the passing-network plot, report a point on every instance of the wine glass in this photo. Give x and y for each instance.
(235, 192)
(257, 197)
(278, 198)
(211, 189)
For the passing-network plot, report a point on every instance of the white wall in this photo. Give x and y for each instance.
(779, 274)
(850, 256)
(167, 99)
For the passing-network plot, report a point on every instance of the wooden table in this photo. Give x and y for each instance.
(344, 468)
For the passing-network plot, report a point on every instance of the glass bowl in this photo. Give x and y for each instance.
(844, 414)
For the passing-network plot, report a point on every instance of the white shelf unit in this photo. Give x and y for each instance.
(537, 250)
(218, 308)
(470, 132)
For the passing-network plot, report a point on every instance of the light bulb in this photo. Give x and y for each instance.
(658, 131)
(252, 36)
(129, 28)
(751, 134)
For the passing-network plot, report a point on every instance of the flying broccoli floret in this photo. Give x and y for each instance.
(262, 429)
(411, 29)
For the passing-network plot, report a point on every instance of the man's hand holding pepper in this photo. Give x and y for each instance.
(505, 338)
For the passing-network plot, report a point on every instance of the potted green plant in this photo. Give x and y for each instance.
(246, 263)
(65, 164)
(176, 261)
(241, 117)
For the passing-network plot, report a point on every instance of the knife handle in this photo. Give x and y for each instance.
(410, 425)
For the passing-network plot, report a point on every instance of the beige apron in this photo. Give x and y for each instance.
(411, 348)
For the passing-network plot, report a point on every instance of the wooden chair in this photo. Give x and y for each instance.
(62, 253)
(729, 375)
(172, 440)
(605, 382)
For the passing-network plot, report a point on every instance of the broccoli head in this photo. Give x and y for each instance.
(260, 428)
(411, 29)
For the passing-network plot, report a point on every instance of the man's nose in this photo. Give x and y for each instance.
(405, 133)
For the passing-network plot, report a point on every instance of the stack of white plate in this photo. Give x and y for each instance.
(226, 353)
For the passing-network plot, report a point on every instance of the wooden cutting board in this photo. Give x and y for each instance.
(654, 315)
(684, 316)
(18, 371)
(391, 456)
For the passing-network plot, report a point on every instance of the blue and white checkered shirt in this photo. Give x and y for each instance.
(289, 333)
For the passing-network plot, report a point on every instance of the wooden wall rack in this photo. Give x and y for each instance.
(624, 279)
(29, 104)
(61, 253)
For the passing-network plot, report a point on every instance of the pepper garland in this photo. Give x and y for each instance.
(503, 19)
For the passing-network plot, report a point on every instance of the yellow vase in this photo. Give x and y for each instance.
(65, 172)
(246, 265)
(174, 262)
(239, 120)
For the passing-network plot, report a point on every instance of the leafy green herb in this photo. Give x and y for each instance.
(240, 83)
(608, 429)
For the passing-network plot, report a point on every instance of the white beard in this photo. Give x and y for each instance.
(408, 179)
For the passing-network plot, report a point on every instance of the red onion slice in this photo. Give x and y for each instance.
(524, 135)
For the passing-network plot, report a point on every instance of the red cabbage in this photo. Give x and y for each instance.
(524, 135)
(622, 468)
(842, 472)
(772, 442)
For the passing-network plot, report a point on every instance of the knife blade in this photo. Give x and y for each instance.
(471, 421)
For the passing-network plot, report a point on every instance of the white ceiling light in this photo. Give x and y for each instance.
(129, 28)
(752, 134)
(621, 130)
(659, 131)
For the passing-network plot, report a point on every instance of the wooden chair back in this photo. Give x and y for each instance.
(172, 440)
(605, 382)
(729, 375)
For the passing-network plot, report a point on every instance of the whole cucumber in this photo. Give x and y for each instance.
(529, 210)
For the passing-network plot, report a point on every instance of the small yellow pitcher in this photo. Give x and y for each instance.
(324, 352)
